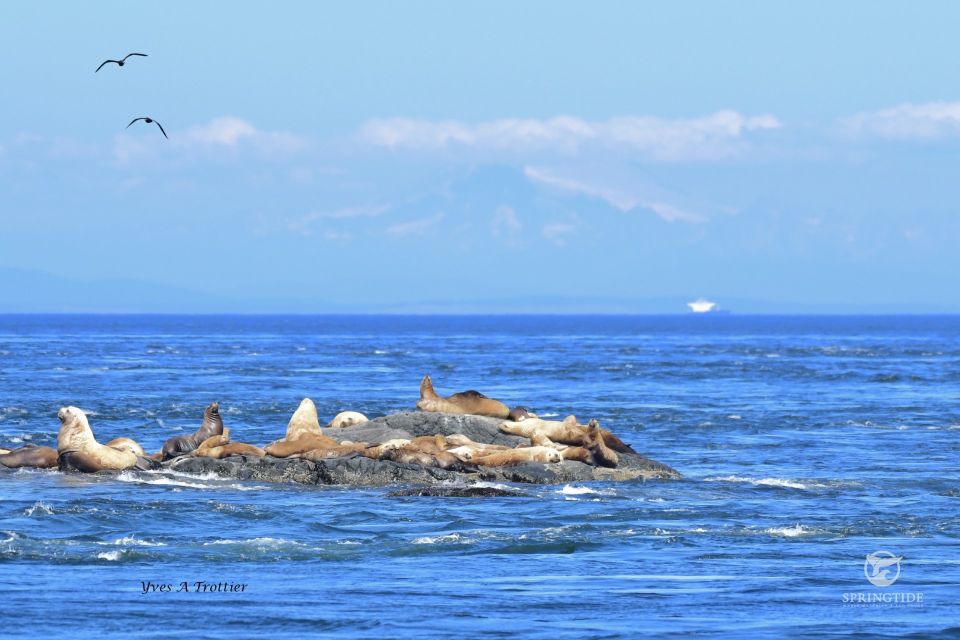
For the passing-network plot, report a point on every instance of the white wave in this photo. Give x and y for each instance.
(380, 352)
(262, 542)
(790, 532)
(734, 416)
(349, 542)
(133, 541)
(112, 556)
(571, 490)
(450, 537)
(166, 481)
(769, 482)
(11, 536)
(548, 415)
(39, 507)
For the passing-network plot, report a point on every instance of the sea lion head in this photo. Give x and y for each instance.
(212, 422)
(553, 455)
(518, 414)
(75, 432)
(347, 419)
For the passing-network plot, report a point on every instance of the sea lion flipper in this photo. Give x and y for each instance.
(145, 463)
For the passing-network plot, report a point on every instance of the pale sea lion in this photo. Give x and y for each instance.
(79, 451)
(567, 431)
(347, 419)
(126, 444)
(466, 402)
(303, 433)
(518, 456)
(212, 425)
(304, 421)
(29, 456)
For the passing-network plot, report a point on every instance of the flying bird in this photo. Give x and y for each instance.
(148, 121)
(120, 62)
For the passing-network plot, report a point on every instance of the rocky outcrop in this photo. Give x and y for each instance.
(360, 471)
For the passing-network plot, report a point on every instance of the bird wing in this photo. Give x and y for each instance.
(105, 62)
(161, 130)
(132, 121)
(134, 54)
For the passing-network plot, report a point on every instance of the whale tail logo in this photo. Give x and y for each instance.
(878, 568)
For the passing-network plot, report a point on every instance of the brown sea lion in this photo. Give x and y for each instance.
(30, 456)
(567, 432)
(411, 454)
(518, 414)
(230, 449)
(596, 445)
(377, 452)
(466, 402)
(212, 425)
(347, 419)
(79, 451)
(518, 456)
(335, 451)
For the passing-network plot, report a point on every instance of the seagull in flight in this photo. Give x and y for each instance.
(120, 62)
(148, 121)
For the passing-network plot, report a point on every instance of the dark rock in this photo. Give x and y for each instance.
(360, 471)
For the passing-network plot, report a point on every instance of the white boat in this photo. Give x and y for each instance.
(701, 305)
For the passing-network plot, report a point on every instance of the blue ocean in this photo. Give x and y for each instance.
(806, 444)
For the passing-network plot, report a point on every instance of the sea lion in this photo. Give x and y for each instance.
(212, 425)
(567, 431)
(30, 456)
(347, 419)
(230, 449)
(126, 444)
(219, 446)
(336, 451)
(466, 402)
(596, 445)
(518, 456)
(519, 414)
(79, 451)
(412, 454)
(303, 433)
(377, 452)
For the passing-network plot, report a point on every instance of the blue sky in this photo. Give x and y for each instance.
(480, 156)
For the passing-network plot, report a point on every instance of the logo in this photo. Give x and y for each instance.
(878, 568)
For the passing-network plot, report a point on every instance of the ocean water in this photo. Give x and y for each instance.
(805, 443)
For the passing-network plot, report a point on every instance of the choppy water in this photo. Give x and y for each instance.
(805, 444)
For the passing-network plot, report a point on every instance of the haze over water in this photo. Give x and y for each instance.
(805, 443)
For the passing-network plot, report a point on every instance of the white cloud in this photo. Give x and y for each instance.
(907, 121)
(305, 224)
(617, 199)
(505, 222)
(225, 132)
(666, 139)
(556, 232)
(414, 227)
